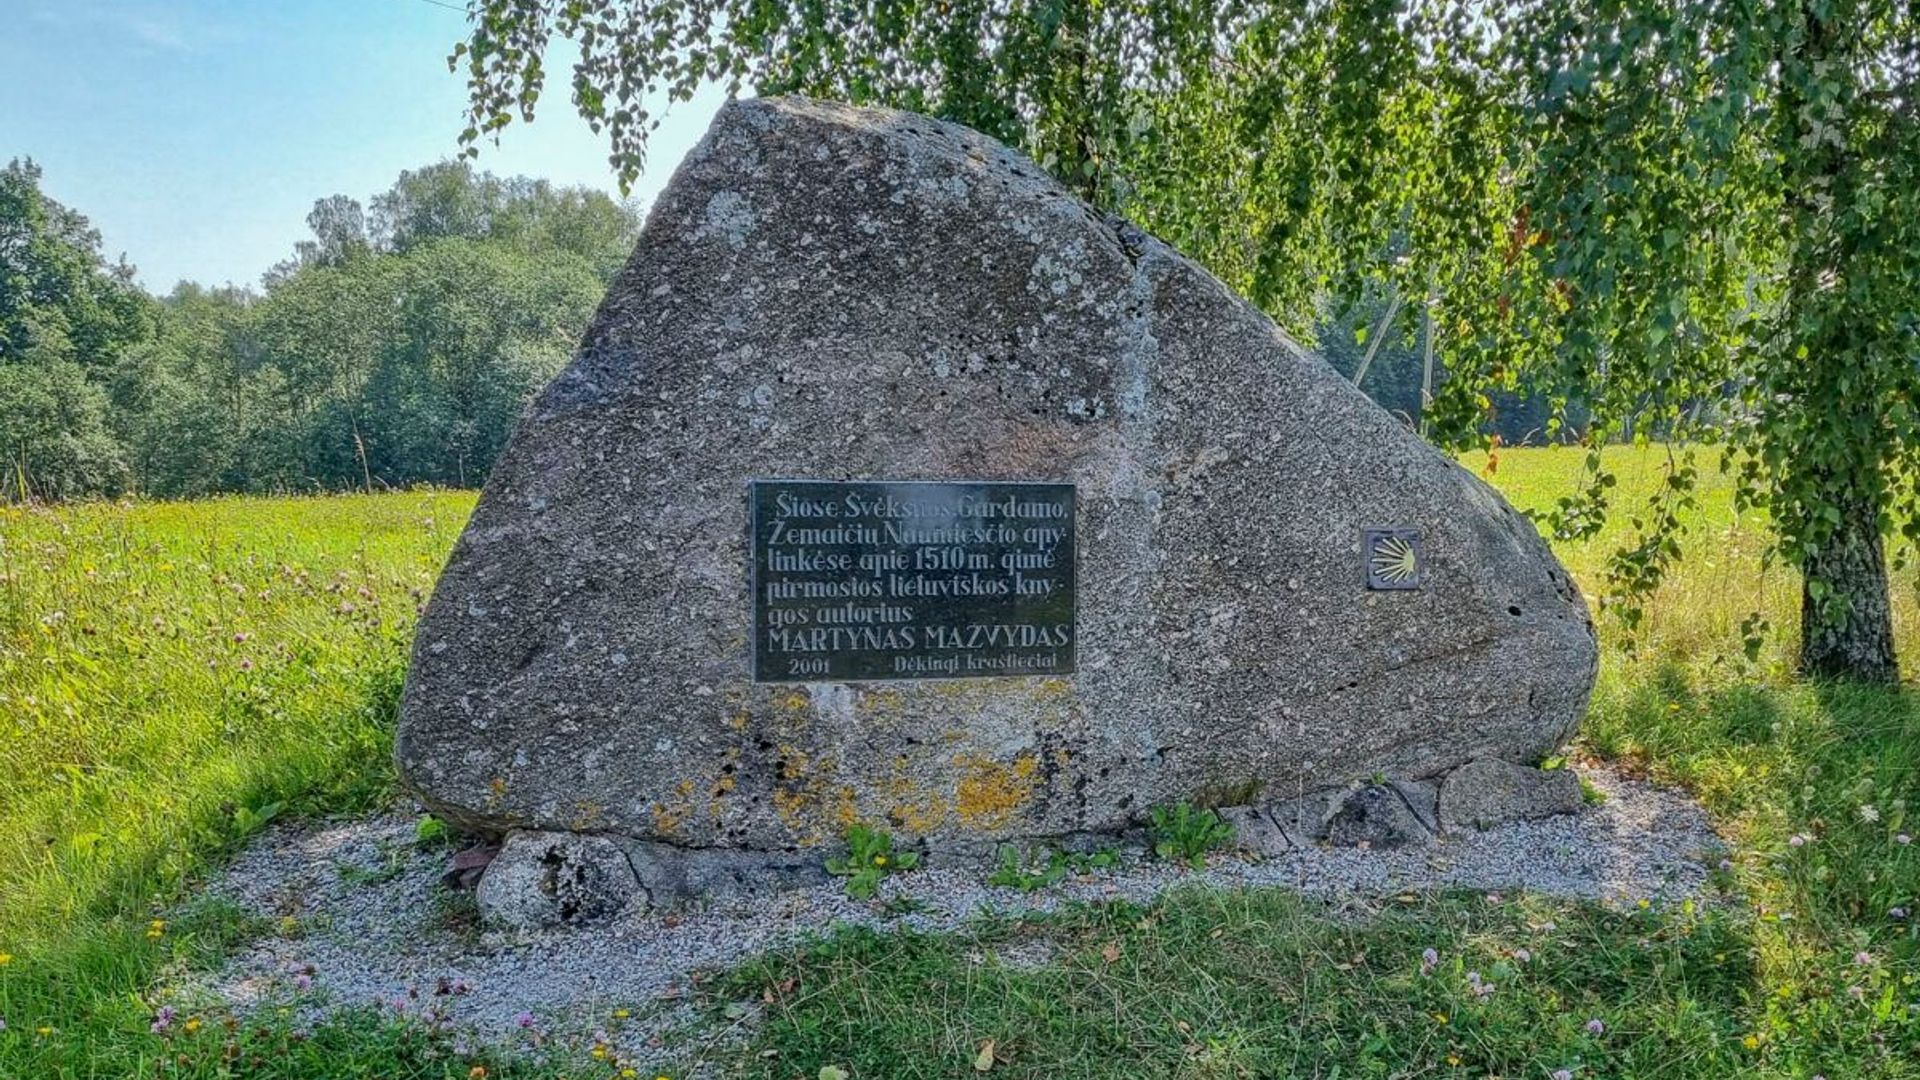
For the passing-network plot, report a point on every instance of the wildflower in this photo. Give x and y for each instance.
(246, 663)
(525, 1020)
(156, 928)
(621, 1014)
(1863, 958)
(1869, 813)
(1797, 840)
(1896, 913)
(1596, 1026)
(162, 1020)
(1902, 838)
(303, 981)
(600, 1051)
(478, 1072)
(1751, 1042)
(3, 1023)
(43, 1031)
(1563, 1074)
(1440, 1018)
(879, 860)
(192, 1025)
(1453, 1059)
(1429, 959)
(1726, 866)
(5, 958)
(1522, 955)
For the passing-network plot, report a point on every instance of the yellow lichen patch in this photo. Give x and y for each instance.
(668, 817)
(807, 801)
(665, 821)
(586, 816)
(738, 721)
(990, 792)
(846, 808)
(888, 703)
(717, 797)
(496, 792)
(1052, 688)
(910, 807)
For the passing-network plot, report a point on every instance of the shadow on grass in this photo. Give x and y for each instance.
(1261, 983)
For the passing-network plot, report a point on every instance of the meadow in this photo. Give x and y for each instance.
(175, 676)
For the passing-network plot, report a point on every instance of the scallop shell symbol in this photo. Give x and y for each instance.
(1394, 560)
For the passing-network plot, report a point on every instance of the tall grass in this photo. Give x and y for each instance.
(172, 676)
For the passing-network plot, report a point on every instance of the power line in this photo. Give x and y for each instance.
(450, 7)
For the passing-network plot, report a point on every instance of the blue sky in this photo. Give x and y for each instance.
(196, 134)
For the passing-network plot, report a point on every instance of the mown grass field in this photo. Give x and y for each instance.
(172, 676)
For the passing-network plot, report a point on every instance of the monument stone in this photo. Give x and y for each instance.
(892, 484)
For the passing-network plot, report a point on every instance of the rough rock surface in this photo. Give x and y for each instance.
(1376, 816)
(834, 293)
(1254, 831)
(1482, 794)
(552, 879)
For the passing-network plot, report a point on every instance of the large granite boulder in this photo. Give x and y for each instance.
(848, 294)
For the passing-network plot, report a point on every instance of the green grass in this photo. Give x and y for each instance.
(137, 753)
(172, 676)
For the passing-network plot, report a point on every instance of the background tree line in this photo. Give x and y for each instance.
(395, 347)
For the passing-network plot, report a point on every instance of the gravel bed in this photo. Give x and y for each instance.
(362, 919)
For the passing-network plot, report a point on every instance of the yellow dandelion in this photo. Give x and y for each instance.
(192, 1025)
(43, 1031)
(5, 958)
(600, 1052)
(621, 1014)
(1439, 1018)
(156, 928)
(879, 860)
(1453, 1059)
(1751, 1042)
(478, 1072)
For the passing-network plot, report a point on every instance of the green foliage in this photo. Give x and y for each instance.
(1186, 833)
(387, 353)
(1697, 222)
(430, 831)
(1048, 866)
(870, 857)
